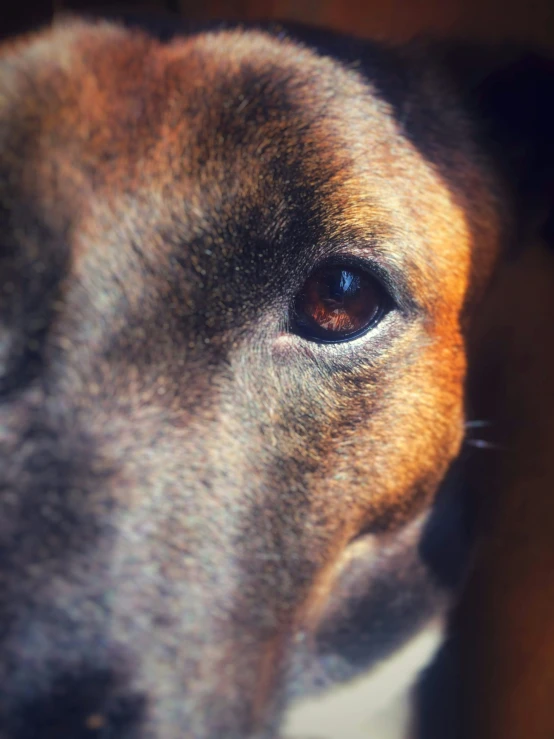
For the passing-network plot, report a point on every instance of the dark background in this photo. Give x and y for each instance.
(521, 20)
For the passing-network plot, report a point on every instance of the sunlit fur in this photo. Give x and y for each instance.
(205, 515)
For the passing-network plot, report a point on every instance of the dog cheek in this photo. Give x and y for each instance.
(387, 463)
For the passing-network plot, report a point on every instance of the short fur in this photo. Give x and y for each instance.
(204, 514)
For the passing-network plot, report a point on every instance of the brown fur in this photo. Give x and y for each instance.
(184, 476)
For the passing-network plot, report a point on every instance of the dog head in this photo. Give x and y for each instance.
(237, 273)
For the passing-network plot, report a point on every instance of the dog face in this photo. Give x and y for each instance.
(236, 278)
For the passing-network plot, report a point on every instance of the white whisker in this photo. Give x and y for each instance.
(483, 444)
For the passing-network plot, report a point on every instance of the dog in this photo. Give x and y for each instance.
(239, 272)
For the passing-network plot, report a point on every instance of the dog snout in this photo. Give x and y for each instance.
(165, 611)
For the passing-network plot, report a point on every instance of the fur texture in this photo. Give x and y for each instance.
(204, 514)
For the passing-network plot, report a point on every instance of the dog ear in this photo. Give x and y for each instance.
(510, 91)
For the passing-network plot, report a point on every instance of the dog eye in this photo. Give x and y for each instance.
(338, 303)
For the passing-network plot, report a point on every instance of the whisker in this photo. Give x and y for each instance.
(483, 444)
(478, 424)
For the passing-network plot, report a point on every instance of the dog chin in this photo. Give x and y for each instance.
(380, 703)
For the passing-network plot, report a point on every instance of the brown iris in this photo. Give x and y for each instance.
(338, 303)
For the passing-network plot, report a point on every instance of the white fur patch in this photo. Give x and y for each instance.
(374, 706)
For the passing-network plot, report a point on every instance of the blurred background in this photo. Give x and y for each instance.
(521, 20)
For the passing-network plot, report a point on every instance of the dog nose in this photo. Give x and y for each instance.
(90, 703)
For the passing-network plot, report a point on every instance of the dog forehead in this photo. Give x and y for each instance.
(206, 125)
(172, 108)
